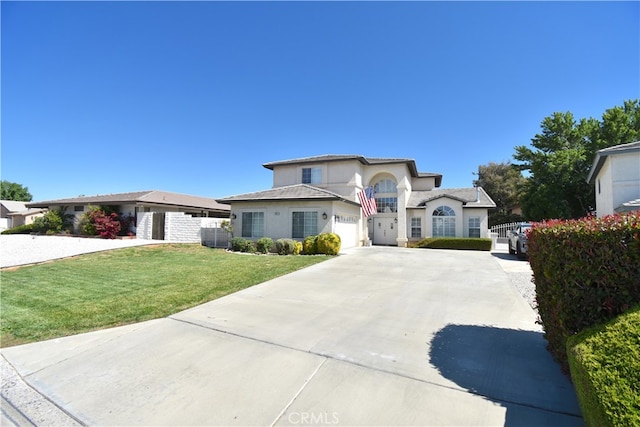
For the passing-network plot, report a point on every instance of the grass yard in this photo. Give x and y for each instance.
(123, 286)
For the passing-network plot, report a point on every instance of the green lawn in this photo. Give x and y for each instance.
(124, 286)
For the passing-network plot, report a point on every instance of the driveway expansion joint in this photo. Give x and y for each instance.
(361, 365)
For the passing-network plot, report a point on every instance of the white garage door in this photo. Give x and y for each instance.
(346, 226)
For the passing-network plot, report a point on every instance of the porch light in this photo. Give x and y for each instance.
(324, 215)
(233, 216)
(395, 220)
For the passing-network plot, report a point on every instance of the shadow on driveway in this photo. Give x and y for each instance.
(507, 256)
(509, 367)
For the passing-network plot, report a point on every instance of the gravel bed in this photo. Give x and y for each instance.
(22, 249)
(523, 282)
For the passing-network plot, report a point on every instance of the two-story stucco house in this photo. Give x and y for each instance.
(615, 173)
(320, 194)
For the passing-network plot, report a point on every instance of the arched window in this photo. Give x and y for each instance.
(385, 186)
(444, 222)
(444, 211)
(386, 195)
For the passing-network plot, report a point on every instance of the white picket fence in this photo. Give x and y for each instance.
(501, 231)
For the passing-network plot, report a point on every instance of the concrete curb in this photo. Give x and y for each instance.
(22, 405)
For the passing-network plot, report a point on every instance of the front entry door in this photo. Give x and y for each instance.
(385, 231)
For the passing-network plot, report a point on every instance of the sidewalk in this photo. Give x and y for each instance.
(376, 336)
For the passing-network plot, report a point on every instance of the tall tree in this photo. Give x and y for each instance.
(504, 183)
(14, 191)
(562, 155)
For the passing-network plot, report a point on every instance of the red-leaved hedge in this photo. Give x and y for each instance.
(586, 272)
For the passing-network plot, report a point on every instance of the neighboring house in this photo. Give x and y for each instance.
(14, 214)
(320, 194)
(158, 214)
(615, 173)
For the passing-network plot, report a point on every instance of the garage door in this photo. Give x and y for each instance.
(346, 226)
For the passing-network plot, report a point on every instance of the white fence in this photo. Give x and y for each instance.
(215, 236)
(502, 231)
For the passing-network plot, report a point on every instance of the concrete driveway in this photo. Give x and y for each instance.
(376, 336)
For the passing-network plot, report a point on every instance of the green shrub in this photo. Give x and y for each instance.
(20, 229)
(461, 243)
(328, 243)
(53, 222)
(285, 246)
(605, 369)
(586, 272)
(240, 244)
(264, 245)
(309, 246)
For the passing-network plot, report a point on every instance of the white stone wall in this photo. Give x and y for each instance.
(143, 227)
(178, 226)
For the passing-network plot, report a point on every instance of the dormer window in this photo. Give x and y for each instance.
(311, 175)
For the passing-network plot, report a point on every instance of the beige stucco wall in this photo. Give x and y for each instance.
(278, 218)
(617, 182)
(604, 190)
(461, 218)
(347, 178)
(423, 184)
(625, 176)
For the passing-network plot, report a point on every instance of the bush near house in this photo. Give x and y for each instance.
(309, 246)
(264, 245)
(100, 222)
(586, 272)
(21, 229)
(605, 369)
(53, 222)
(239, 244)
(328, 244)
(285, 246)
(461, 243)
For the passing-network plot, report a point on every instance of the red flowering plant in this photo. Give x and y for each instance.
(97, 222)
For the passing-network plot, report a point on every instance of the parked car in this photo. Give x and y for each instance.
(518, 240)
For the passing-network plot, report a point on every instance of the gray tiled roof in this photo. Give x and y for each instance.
(471, 197)
(315, 159)
(411, 164)
(150, 197)
(290, 192)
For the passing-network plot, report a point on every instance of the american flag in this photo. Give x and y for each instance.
(368, 202)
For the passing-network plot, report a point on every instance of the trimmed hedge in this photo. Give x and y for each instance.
(605, 369)
(462, 243)
(21, 229)
(309, 246)
(240, 244)
(285, 246)
(586, 272)
(264, 245)
(328, 243)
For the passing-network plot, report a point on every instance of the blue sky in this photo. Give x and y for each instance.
(193, 97)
